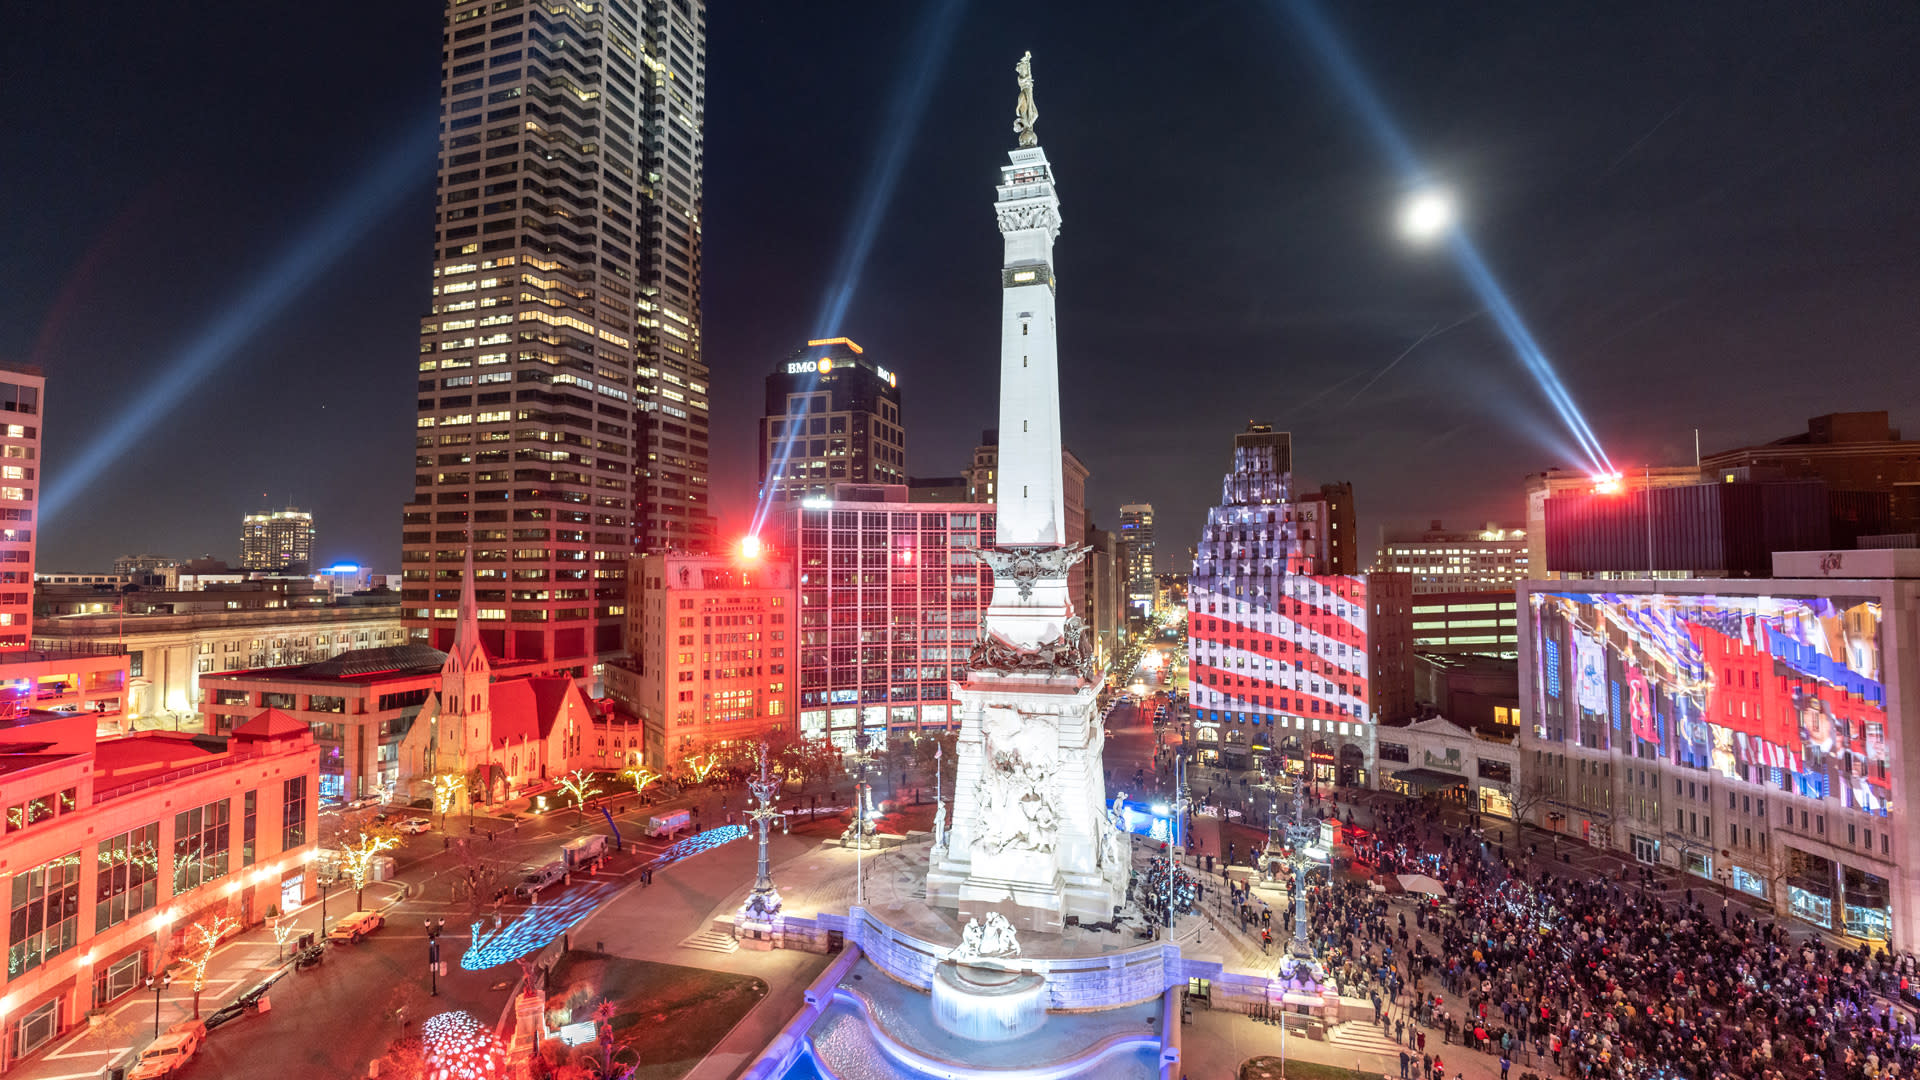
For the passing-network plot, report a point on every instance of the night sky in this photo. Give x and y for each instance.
(1708, 213)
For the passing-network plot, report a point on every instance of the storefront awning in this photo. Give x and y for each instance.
(1429, 779)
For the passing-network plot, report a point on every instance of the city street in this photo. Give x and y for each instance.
(384, 980)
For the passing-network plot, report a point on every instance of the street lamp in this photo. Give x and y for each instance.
(157, 983)
(434, 926)
(764, 901)
(861, 757)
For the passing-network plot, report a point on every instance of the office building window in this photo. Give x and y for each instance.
(248, 820)
(293, 814)
(200, 840)
(43, 920)
(129, 876)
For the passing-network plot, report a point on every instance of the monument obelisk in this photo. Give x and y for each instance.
(1030, 838)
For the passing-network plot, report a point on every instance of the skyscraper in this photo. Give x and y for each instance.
(276, 540)
(1136, 535)
(21, 390)
(563, 394)
(832, 417)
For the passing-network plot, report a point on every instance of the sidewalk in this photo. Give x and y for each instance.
(244, 960)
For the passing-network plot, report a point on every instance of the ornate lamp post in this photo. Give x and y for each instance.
(763, 903)
(862, 828)
(1303, 836)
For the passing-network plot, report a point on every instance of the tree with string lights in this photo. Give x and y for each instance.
(579, 785)
(639, 775)
(357, 857)
(203, 938)
(446, 791)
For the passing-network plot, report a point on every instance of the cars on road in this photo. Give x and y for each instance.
(412, 826)
(535, 880)
(165, 1055)
(356, 926)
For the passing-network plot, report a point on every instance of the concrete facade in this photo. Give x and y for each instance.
(1456, 765)
(168, 653)
(712, 653)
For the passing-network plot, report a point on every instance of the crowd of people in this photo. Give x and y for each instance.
(1602, 979)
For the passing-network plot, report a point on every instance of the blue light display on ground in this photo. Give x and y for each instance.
(539, 925)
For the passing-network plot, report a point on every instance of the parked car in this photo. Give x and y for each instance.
(412, 826)
(165, 1055)
(356, 926)
(535, 880)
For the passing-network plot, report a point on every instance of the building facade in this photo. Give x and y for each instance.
(711, 653)
(1458, 766)
(1136, 539)
(22, 391)
(1727, 527)
(1560, 482)
(563, 397)
(891, 597)
(1279, 654)
(1450, 561)
(1326, 521)
(1453, 623)
(1755, 732)
(168, 644)
(1858, 452)
(1102, 601)
(277, 539)
(358, 704)
(161, 831)
(832, 417)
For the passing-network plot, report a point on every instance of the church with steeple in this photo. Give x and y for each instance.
(502, 733)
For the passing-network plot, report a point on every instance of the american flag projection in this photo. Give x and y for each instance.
(1783, 692)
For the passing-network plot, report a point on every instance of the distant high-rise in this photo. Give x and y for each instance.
(832, 417)
(276, 540)
(1444, 561)
(1136, 536)
(563, 394)
(979, 479)
(21, 391)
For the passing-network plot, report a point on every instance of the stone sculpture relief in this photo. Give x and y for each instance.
(993, 939)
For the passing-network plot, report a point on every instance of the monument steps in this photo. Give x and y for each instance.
(1363, 1037)
(711, 940)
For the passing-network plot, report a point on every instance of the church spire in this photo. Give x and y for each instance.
(467, 630)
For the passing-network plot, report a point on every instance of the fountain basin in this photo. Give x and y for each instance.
(988, 1004)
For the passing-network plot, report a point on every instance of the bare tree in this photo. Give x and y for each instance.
(479, 880)
(1780, 865)
(1526, 796)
